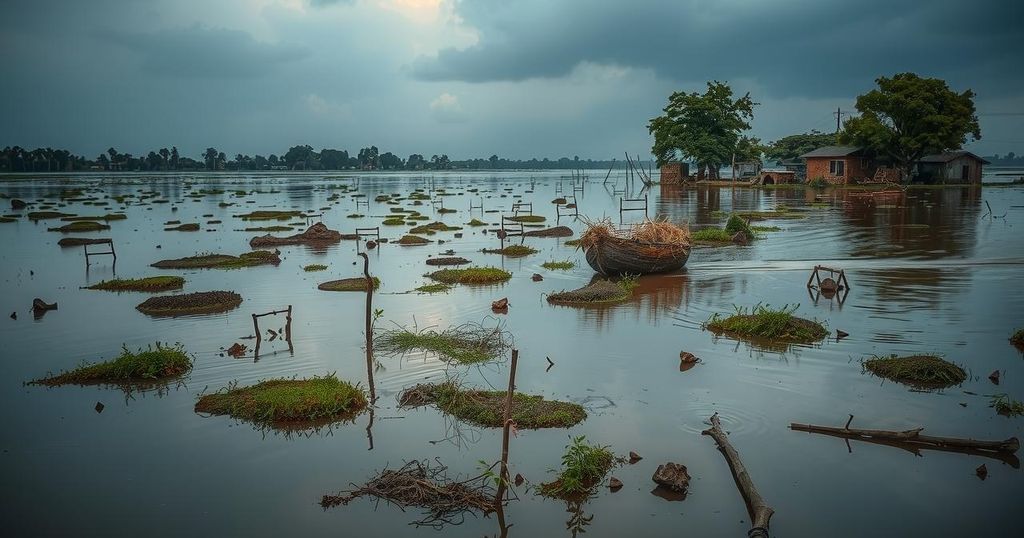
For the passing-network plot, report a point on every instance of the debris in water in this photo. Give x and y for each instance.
(614, 484)
(672, 476)
(981, 471)
(99, 407)
(634, 457)
(994, 377)
(536, 277)
(500, 305)
(237, 350)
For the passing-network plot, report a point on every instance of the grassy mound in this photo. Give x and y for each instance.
(487, 408)
(155, 363)
(105, 218)
(711, 235)
(412, 240)
(735, 224)
(430, 229)
(314, 267)
(271, 215)
(433, 288)
(599, 291)
(393, 222)
(80, 226)
(46, 215)
(447, 260)
(153, 283)
(79, 241)
(277, 402)
(466, 344)
(763, 322)
(348, 284)
(221, 261)
(187, 227)
(476, 222)
(583, 467)
(471, 275)
(917, 370)
(512, 251)
(560, 265)
(203, 302)
(527, 218)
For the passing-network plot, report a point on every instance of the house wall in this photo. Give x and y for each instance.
(950, 172)
(856, 169)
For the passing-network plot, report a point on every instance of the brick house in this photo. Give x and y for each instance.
(950, 167)
(838, 164)
(675, 172)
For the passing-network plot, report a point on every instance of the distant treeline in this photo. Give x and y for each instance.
(1010, 159)
(18, 159)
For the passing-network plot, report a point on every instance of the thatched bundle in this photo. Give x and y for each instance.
(652, 246)
(651, 232)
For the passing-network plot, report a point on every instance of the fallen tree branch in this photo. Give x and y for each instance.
(760, 512)
(912, 440)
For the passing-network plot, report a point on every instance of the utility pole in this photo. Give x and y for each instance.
(839, 115)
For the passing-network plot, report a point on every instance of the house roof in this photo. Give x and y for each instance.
(950, 156)
(832, 151)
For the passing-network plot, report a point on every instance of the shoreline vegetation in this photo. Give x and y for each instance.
(154, 364)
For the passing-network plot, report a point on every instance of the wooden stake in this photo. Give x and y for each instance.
(760, 512)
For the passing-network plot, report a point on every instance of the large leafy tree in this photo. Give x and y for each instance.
(704, 128)
(908, 117)
(793, 146)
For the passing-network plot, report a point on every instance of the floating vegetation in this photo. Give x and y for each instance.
(46, 215)
(355, 216)
(471, 275)
(394, 222)
(445, 210)
(271, 215)
(314, 267)
(434, 288)
(557, 231)
(1006, 406)
(420, 485)
(79, 241)
(527, 218)
(105, 218)
(763, 322)
(430, 229)
(412, 240)
(153, 283)
(470, 343)
(487, 408)
(348, 284)
(926, 371)
(597, 292)
(512, 251)
(476, 222)
(711, 235)
(155, 363)
(559, 265)
(736, 225)
(81, 226)
(268, 229)
(203, 302)
(187, 227)
(583, 467)
(287, 402)
(221, 261)
(447, 260)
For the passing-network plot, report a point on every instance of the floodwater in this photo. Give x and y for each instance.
(930, 273)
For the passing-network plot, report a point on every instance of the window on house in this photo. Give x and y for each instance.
(837, 168)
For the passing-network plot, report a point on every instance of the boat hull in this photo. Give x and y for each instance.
(625, 258)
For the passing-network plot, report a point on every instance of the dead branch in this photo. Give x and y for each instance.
(760, 512)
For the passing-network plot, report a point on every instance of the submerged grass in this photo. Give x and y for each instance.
(348, 284)
(281, 401)
(271, 215)
(471, 275)
(153, 283)
(583, 467)
(926, 371)
(80, 226)
(527, 218)
(476, 222)
(221, 261)
(412, 240)
(1004, 405)
(559, 265)
(597, 292)
(465, 344)
(487, 408)
(314, 267)
(434, 288)
(512, 251)
(155, 363)
(764, 322)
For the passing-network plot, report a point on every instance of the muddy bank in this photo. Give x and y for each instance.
(317, 235)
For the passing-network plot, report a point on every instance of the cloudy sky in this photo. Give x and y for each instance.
(519, 78)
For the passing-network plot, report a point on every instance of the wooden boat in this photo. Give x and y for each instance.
(617, 256)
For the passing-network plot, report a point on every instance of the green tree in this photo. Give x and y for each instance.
(210, 156)
(174, 157)
(415, 162)
(793, 146)
(908, 117)
(704, 128)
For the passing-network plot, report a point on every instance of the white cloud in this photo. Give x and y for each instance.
(447, 109)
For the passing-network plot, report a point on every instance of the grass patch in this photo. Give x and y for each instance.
(711, 235)
(559, 265)
(434, 288)
(80, 226)
(764, 322)
(277, 402)
(487, 408)
(153, 283)
(926, 371)
(447, 260)
(471, 275)
(512, 251)
(268, 229)
(476, 222)
(527, 218)
(221, 261)
(46, 215)
(430, 229)
(203, 302)
(735, 225)
(187, 227)
(314, 267)
(355, 216)
(1004, 405)
(348, 284)
(465, 344)
(393, 222)
(271, 215)
(105, 218)
(155, 363)
(412, 240)
(445, 210)
(583, 467)
(597, 292)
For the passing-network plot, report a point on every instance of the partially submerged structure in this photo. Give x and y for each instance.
(950, 167)
(839, 165)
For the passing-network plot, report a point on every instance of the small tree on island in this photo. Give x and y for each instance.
(909, 117)
(704, 128)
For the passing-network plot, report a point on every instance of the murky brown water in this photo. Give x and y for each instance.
(929, 273)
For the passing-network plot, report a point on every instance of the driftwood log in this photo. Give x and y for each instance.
(912, 440)
(760, 512)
